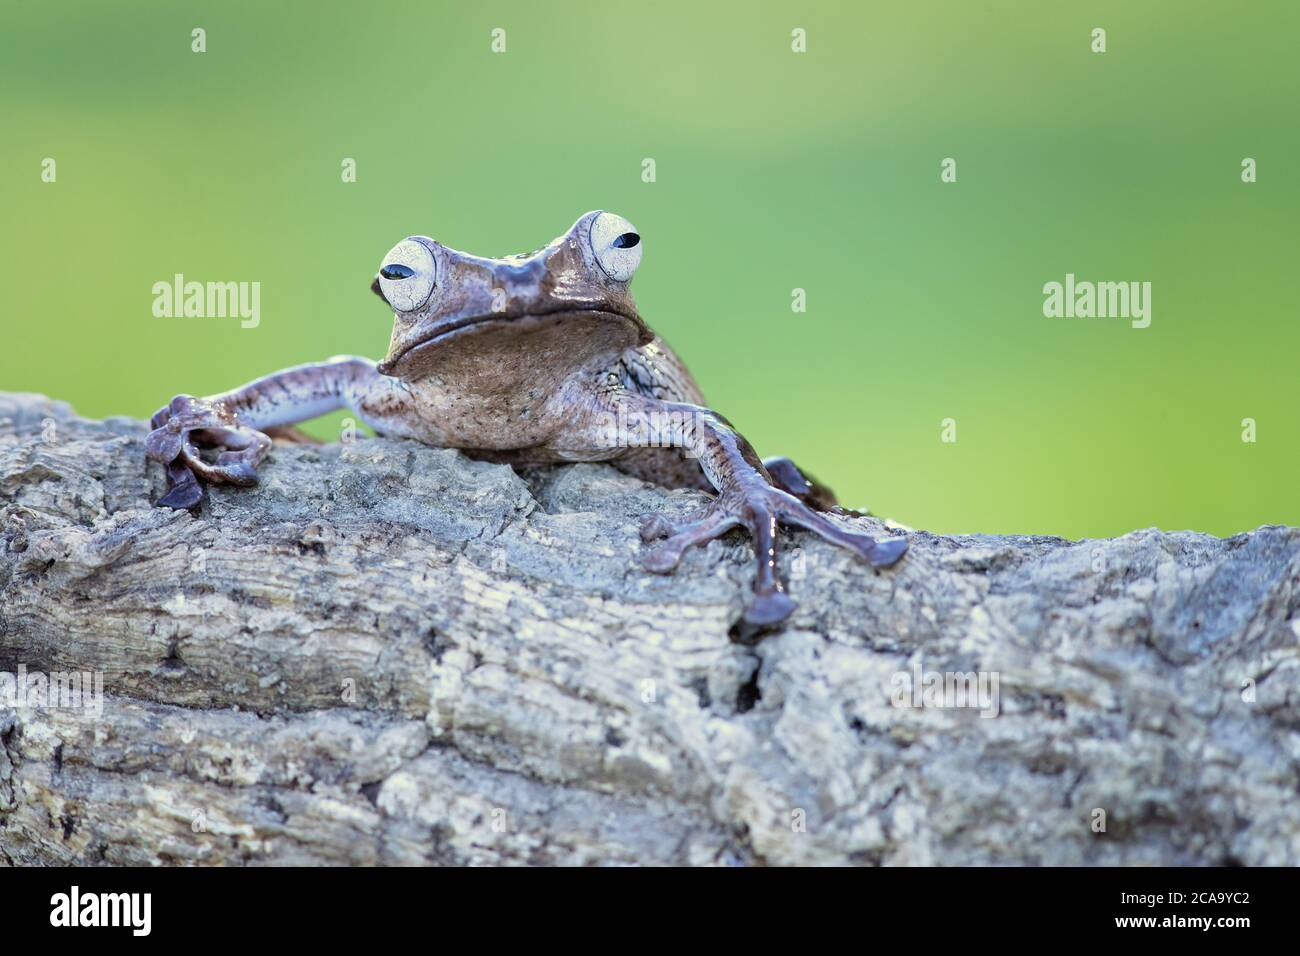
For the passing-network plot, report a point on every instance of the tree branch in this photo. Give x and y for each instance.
(387, 653)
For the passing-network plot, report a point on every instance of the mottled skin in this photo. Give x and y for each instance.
(526, 360)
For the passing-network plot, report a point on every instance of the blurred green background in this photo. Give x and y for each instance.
(775, 170)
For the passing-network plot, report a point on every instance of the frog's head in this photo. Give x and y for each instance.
(559, 308)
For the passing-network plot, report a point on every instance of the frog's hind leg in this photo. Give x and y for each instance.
(747, 495)
(236, 423)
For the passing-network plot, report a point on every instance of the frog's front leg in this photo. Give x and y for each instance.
(234, 422)
(747, 496)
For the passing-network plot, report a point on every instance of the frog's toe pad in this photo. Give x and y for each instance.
(668, 554)
(184, 490)
(767, 610)
(886, 553)
(235, 470)
(655, 526)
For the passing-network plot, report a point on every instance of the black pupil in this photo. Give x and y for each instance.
(627, 240)
(397, 271)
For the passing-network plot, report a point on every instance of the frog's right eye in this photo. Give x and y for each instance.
(406, 276)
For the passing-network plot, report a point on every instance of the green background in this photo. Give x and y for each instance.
(775, 170)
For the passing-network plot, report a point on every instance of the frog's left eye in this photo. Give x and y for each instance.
(406, 276)
(616, 245)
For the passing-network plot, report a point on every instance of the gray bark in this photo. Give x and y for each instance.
(387, 653)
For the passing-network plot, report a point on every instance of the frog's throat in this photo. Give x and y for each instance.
(453, 329)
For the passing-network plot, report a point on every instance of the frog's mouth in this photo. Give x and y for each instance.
(409, 349)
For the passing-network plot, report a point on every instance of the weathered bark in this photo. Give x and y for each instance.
(388, 653)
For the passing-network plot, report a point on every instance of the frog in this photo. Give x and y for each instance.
(528, 360)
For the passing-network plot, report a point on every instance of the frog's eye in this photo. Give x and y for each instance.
(616, 246)
(406, 275)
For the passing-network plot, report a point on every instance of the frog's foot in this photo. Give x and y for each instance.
(759, 507)
(186, 427)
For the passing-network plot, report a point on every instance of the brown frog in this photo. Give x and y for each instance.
(527, 360)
